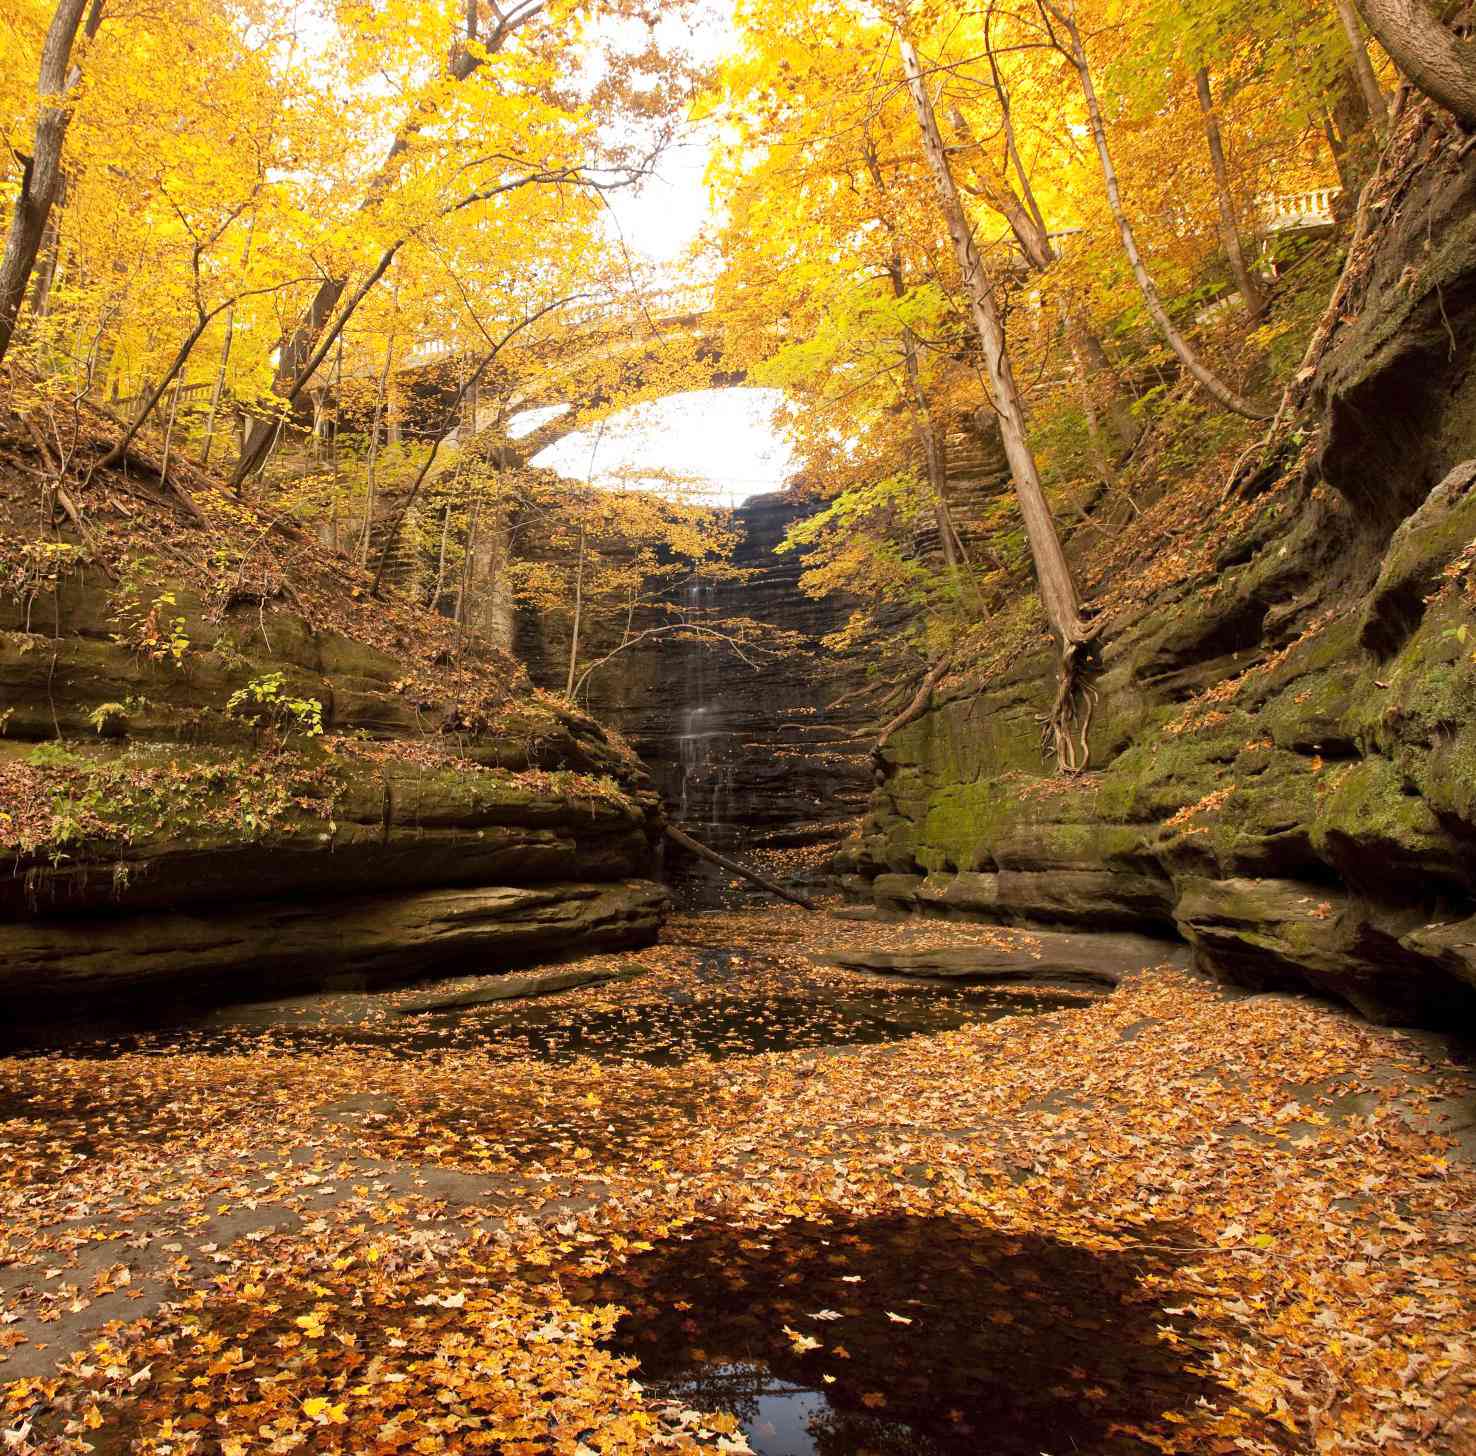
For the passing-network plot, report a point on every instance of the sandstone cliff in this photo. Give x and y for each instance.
(1283, 743)
(223, 765)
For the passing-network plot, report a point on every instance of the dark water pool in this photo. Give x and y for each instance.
(665, 1033)
(905, 1336)
(716, 1018)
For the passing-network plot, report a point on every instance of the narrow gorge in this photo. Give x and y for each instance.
(738, 729)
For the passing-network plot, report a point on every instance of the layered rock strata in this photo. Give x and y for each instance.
(1283, 741)
(170, 825)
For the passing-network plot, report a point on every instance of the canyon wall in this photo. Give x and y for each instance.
(205, 796)
(758, 756)
(1283, 737)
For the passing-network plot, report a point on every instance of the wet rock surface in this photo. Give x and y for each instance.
(355, 940)
(1038, 956)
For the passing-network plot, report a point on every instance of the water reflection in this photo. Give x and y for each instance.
(909, 1336)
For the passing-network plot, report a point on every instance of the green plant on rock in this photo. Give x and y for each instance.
(263, 702)
(53, 755)
(105, 715)
(150, 629)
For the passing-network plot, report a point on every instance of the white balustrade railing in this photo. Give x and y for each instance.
(427, 350)
(1313, 208)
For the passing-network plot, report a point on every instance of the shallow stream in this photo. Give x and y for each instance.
(881, 1337)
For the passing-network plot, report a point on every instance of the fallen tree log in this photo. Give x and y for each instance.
(692, 846)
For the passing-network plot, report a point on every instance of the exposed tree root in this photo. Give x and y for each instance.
(692, 846)
(1065, 730)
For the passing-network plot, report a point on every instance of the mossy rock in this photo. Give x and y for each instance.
(1379, 834)
(1417, 555)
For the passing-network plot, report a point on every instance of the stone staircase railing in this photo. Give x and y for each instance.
(1293, 210)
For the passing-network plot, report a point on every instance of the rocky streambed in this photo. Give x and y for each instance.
(624, 1218)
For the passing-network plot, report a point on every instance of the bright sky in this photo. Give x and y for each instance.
(725, 437)
(723, 441)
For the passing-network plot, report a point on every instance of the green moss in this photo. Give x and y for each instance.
(963, 822)
(1365, 805)
(1162, 774)
(1427, 691)
(71, 799)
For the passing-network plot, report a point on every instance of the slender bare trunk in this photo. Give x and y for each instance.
(1013, 151)
(578, 615)
(1368, 83)
(932, 450)
(1057, 589)
(1019, 210)
(153, 395)
(927, 435)
(1217, 390)
(1028, 225)
(225, 347)
(169, 430)
(441, 562)
(39, 302)
(1338, 150)
(41, 177)
(733, 866)
(1251, 294)
(1428, 51)
(466, 561)
(370, 465)
(915, 708)
(219, 386)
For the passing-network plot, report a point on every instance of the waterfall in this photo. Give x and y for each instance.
(704, 743)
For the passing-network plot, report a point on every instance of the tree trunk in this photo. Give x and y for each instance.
(1057, 590)
(1368, 83)
(225, 349)
(1018, 210)
(440, 585)
(218, 388)
(927, 435)
(39, 303)
(1221, 393)
(372, 461)
(1251, 294)
(41, 178)
(333, 501)
(151, 397)
(459, 615)
(1028, 226)
(1101, 383)
(914, 709)
(1434, 58)
(169, 431)
(578, 615)
(296, 348)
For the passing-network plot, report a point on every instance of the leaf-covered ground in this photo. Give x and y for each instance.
(1166, 1220)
